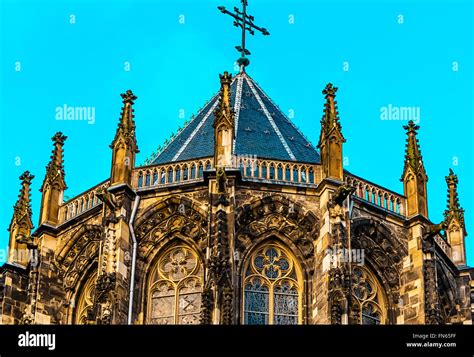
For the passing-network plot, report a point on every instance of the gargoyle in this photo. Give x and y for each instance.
(434, 229)
(108, 198)
(342, 193)
(28, 240)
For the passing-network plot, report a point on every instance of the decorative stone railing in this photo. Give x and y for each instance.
(170, 174)
(377, 195)
(281, 171)
(81, 203)
(250, 167)
(445, 247)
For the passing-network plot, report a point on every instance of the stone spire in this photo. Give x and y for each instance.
(54, 184)
(454, 221)
(331, 138)
(454, 210)
(413, 158)
(124, 146)
(224, 132)
(21, 223)
(414, 175)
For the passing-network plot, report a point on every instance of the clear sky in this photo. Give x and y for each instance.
(381, 54)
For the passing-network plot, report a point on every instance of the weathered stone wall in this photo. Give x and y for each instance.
(299, 217)
(13, 294)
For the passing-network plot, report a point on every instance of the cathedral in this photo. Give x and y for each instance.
(237, 219)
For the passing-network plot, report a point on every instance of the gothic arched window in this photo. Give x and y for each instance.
(280, 172)
(85, 300)
(248, 169)
(311, 175)
(272, 288)
(175, 287)
(368, 297)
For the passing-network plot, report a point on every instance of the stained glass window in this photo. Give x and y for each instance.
(272, 288)
(175, 288)
(369, 295)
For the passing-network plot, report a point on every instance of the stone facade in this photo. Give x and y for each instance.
(284, 242)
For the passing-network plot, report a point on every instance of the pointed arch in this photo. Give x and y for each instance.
(175, 286)
(85, 298)
(273, 286)
(369, 301)
(384, 251)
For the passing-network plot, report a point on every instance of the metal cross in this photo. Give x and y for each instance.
(245, 22)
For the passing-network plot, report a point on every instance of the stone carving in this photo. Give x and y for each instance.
(276, 214)
(342, 193)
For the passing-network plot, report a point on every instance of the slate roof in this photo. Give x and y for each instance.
(261, 129)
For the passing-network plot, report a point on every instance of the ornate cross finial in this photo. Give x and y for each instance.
(245, 22)
(26, 178)
(411, 128)
(128, 97)
(59, 138)
(330, 90)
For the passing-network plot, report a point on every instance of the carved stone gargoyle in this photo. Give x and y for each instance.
(108, 198)
(110, 202)
(29, 241)
(342, 193)
(435, 229)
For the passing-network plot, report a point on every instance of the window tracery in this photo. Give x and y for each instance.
(85, 301)
(272, 292)
(175, 287)
(368, 294)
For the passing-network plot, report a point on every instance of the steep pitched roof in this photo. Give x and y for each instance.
(260, 126)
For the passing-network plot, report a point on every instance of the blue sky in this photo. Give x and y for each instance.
(399, 53)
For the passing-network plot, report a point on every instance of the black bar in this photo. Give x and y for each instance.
(243, 340)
